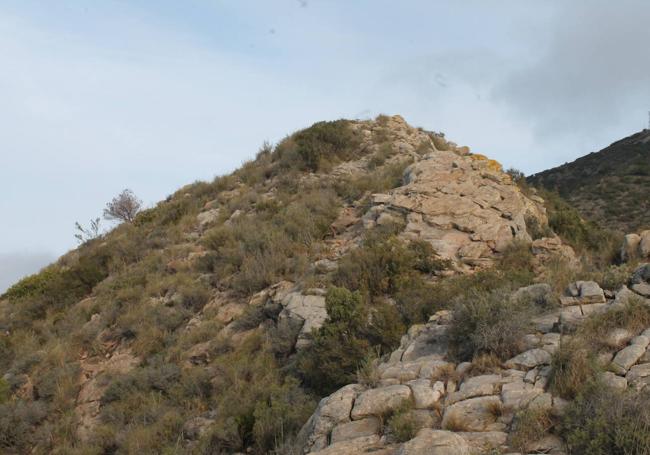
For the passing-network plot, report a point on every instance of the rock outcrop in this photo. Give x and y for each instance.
(636, 246)
(474, 413)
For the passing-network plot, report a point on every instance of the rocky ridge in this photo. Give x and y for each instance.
(458, 412)
(462, 204)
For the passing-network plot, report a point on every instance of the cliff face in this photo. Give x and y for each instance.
(195, 325)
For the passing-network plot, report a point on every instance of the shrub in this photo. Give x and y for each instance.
(317, 146)
(572, 366)
(377, 267)
(5, 390)
(332, 359)
(634, 316)
(516, 264)
(367, 372)
(403, 424)
(529, 426)
(16, 419)
(615, 276)
(426, 259)
(256, 407)
(603, 421)
(490, 323)
(387, 177)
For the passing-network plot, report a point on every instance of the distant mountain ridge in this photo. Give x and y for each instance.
(611, 187)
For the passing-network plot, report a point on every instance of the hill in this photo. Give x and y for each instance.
(610, 187)
(215, 322)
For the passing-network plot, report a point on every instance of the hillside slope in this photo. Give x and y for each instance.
(214, 322)
(611, 187)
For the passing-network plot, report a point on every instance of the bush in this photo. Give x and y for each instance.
(490, 323)
(5, 390)
(317, 147)
(403, 424)
(603, 421)
(634, 316)
(377, 267)
(529, 426)
(331, 361)
(572, 366)
(382, 179)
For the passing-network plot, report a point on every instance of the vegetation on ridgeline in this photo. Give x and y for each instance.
(147, 290)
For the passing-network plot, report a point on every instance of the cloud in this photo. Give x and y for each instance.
(590, 79)
(14, 266)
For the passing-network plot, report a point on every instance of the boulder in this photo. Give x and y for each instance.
(628, 356)
(587, 292)
(540, 294)
(517, 394)
(208, 217)
(613, 380)
(618, 337)
(630, 247)
(307, 308)
(475, 387)
(331, 411)
(485, 442)
(424, 395)
(639, 376)
(529, 359)
(377, 402)
(357, 446)
(355, 429)
(474, 414)
(644, 245)
(435, 442)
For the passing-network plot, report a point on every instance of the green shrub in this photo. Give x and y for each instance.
(5, 390)
(331, 361)
(377, 267)
(403, 424)
(426, 258)
(490, 323)
(317, 147)
(255, 406)
(603, 421)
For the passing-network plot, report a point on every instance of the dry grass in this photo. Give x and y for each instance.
(485, 364)
(496, 409)
(530, 425)
(573, 365)
(456, 423)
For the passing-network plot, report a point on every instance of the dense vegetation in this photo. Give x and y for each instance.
(610, 186)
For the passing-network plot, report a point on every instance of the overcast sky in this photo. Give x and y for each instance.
(151, 95)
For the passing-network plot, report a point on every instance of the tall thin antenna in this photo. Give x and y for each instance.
(649, 120)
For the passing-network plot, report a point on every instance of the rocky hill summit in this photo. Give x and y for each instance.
(610, 187)
(216, 321)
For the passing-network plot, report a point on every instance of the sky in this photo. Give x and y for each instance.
(151, 95)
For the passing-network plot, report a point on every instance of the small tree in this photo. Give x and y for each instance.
(124, 207)
(83, 234)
